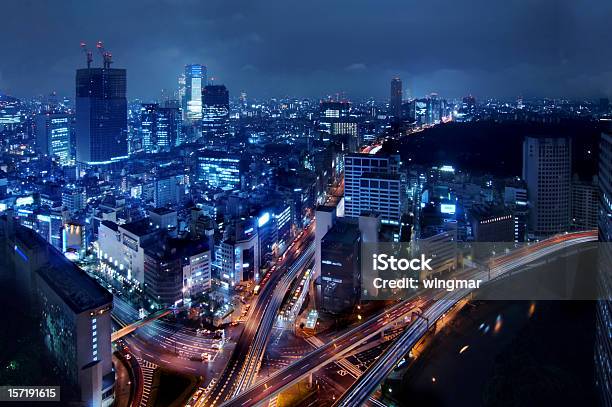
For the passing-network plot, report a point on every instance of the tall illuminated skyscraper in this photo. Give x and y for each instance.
(215, 111)
(395, 100)
(195, 80)
(101, 115)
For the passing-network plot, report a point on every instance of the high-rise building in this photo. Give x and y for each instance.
(585, 204)
(340, 268)
(326, 217)
(101, 115)
(71, 313)
(372, 184)
(547, 170)
(395, 100)
(159, 127)
(195, 80)
(53, 136)
(215, 112)
(603, 331)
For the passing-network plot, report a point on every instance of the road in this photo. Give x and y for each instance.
(338, 347)
(245, 358)
(365, 385)
(322, 356)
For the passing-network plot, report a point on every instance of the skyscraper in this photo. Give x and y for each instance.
(195, 80)
(603, 344)
(215, 111)
(395, 101)
(160, 127)
(101, 115)
(53, 136)
(547, 171)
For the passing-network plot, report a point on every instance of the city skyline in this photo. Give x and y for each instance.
(313, 204)
(548, 49)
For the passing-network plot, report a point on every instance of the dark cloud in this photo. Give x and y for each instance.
(276, 48)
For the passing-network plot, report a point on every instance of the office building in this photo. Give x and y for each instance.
(492, 224)
(515, 198)
(121, 247)
(167, 190)
(195, 80)
(395, 100)
(585, 204)
(72, 312)
(603, 331)
(340, 278)
(53, 136)
(372, 184)
(74, 199)
(176, 269)
(547, 170)
(218, 169)
(101, 115)
(159, 127)
(165, 219)
(238, 254)
(215, 112)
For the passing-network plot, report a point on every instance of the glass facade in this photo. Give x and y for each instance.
(219, 170)
(101, 115)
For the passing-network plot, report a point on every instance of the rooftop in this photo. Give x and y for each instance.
(77, 289)
(161, 211)
(343, 231)
(140, 227)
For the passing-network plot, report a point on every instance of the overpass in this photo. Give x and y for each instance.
(365, 385)
(435, 306)
(128, 329)
(246, 357)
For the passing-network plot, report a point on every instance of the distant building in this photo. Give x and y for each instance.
(101, 115)
(515, 198)
(218, 169)
(53, 136)
(492, 224)
(547, 170)
(164, 219)
(395, 99)
(74, 199)
(159, 126)
(167, 190)
(585, 204)
(195, 80)
(215, 112)
(371, 184)
(331, 112)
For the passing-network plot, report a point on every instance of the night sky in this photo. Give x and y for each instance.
(315, 48)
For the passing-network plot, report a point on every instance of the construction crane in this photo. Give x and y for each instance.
(88, 53)
(107, 57)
